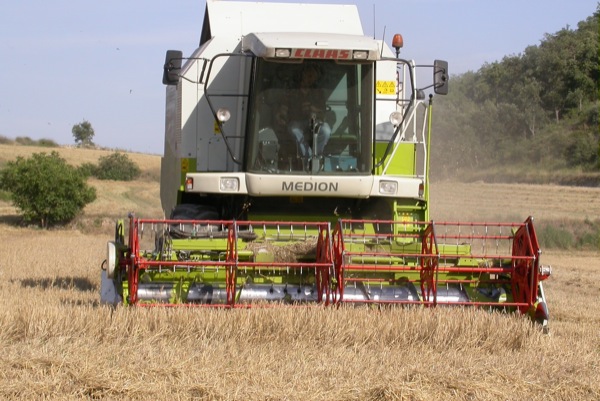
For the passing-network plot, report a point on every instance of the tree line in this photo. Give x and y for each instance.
(535, 110)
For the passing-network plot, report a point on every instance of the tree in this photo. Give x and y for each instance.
(83, 133)
(540, 106)
(46, 189)
(118, 167)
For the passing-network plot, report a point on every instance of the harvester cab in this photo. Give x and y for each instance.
(296, 170)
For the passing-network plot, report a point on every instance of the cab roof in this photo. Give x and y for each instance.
(239, 18)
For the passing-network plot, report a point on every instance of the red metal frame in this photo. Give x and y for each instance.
(232, 259)
(525, 267)
(429, 266)
(339, 250)
(522, 250)
(323, 273)
(334, 258)
(134, 263)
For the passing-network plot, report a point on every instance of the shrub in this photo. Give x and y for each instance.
(25, 141)
(46, 189)
(88, 169)
(5, 141)
(551, 236)
(118, 167)
(582, 149)
(5, 196)
(47, 143)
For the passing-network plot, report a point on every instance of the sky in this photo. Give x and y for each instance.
(66, 61)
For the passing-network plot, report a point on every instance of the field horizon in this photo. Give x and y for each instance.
(451, 200)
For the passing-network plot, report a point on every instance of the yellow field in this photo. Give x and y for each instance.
(58, 343)
(513, 202)
(74, 155)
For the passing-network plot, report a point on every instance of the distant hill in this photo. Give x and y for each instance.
(115, 199)
(531, 117)
(74, 155)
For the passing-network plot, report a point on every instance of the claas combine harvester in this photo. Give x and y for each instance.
(273, 199)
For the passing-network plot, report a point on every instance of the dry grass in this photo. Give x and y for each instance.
(58, 343)
(512, 202)
(115, 198)
(292, 252)
(74, 155)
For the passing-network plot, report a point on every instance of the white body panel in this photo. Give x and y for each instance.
(108, 292)
(355, 186)
(200, 136)
(193, 136)
(263, 44)
(236, 18)
(385, 96)
(191, 131)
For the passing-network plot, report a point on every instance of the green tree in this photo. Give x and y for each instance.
(83, 133)
(46, 189)
(118, 167)
(536, 108)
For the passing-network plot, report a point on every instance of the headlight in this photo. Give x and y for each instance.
(285, 53)
(388, 187)
(360, 55)
(229, 184)
(396, 118)
(223, 115)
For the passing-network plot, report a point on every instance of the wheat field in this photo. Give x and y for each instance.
(58, 343)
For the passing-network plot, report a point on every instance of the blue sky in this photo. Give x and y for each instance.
(64, 61)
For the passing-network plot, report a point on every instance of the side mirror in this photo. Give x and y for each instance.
(172, 67)
(440, 77)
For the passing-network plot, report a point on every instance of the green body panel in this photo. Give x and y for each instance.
(403, 158)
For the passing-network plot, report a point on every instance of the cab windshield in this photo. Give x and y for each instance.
(311, 117)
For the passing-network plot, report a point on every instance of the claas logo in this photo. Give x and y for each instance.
(333, 54)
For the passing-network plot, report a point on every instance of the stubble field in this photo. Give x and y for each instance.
(57, 342)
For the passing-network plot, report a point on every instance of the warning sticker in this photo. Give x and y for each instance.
(217, 130)
(386, 87)
(185, 165)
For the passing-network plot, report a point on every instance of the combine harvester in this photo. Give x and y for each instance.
(296, 171)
